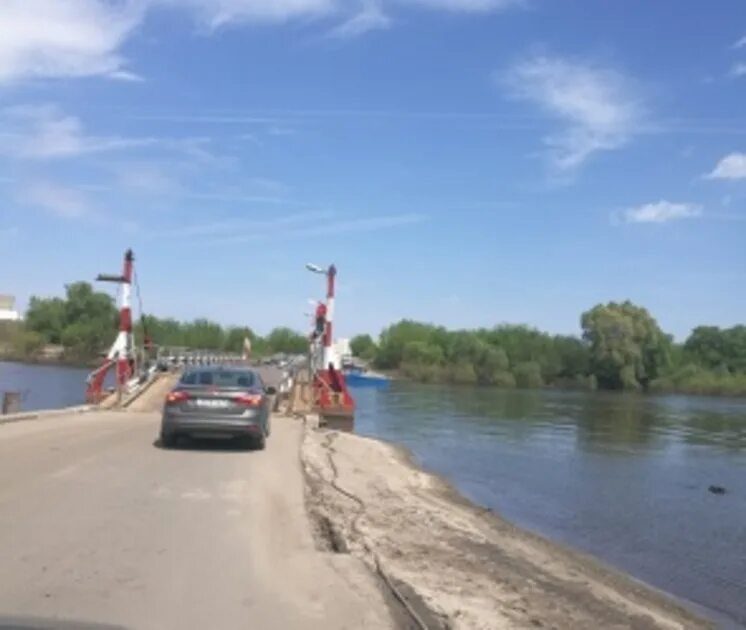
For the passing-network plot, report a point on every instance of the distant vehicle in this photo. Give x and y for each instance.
(218, 402)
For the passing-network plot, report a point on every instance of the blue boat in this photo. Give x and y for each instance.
(362, 378)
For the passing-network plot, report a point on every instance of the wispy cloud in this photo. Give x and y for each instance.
(126, 75)
(44, 132)
(738, 69)
(741, 43)
(367, 224)
(732, 166)
(599, 106)
(149, 178)
(57, 199)
(44, 39)
(293, 226)
(472, 6)
(251, 229)
(74, 38)
(218, 13)
(370, 17)
(661, 212)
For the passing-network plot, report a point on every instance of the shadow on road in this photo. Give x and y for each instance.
(206, 446)
(37, 623)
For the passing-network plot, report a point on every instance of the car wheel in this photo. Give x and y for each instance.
(168, 440)
(259, 442)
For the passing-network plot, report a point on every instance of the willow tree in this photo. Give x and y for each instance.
(627, 348)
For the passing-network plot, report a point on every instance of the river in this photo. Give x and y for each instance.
(43, 386)
(624, 478)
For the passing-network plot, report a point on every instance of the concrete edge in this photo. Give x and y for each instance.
(44, 413)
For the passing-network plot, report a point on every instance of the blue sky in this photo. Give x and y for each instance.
(466, 162)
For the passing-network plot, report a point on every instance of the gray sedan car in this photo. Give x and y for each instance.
(218, 402)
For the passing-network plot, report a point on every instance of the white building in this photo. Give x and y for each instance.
(8, 310)
(342, 348)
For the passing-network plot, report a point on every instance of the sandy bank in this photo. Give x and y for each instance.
(459, 566)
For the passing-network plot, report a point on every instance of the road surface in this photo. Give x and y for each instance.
(99, 524)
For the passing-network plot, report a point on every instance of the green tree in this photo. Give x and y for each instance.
(286, 340)
(234, 338)
(574, 356)
(395, 338)
(364, 347)
(713, 347)
(528, 375)
(85, 321)
(422, 352)
(491, 365)
(627, 348)
(47, 318)
(203, 334)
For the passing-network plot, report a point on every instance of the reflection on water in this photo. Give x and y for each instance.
(43, 386)
(623, 477)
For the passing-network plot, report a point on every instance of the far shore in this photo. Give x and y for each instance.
(49, 361)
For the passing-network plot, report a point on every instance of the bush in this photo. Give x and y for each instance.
(422, 373)
(462, 373)
(528, 375)
(504, 379)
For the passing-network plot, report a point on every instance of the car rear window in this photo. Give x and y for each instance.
(219, 378)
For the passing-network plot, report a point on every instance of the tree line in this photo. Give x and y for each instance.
(621, 347)
(84, 323)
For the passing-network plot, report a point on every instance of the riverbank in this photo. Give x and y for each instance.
(700, 383)
(462, 566)
(53, 361)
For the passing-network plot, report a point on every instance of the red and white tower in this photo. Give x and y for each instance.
(331, 396)
(330, 356)
(122, 351)
(121, 355)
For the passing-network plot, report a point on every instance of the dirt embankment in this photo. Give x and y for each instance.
(459, 566)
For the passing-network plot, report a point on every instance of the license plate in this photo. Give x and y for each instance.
(207, 403)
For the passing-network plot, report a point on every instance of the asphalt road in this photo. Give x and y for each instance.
(99, 524)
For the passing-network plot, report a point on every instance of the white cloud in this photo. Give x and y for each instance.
(370, 18)
(598, 105)
(150, 178)
(70, 38)
(301, 225)
(81, 38)
(216, 13)
(465, 5)
(126, 75)
(661, 212)
(732, 166)
(44, 132)
(741, 43)
(59, 200)
(738, 70)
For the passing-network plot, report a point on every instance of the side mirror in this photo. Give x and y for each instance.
(271, 391)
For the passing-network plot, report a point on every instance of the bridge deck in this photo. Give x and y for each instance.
(98, 524)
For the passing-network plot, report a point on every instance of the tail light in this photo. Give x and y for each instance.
(249, 400)
(176, 397)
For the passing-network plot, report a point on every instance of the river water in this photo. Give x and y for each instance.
(43, 386)
(624, 478)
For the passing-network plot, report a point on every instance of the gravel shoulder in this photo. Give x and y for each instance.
(456, 565)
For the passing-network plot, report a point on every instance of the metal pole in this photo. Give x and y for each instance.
(329, 355)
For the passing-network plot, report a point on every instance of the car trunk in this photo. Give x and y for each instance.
(207, 401)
